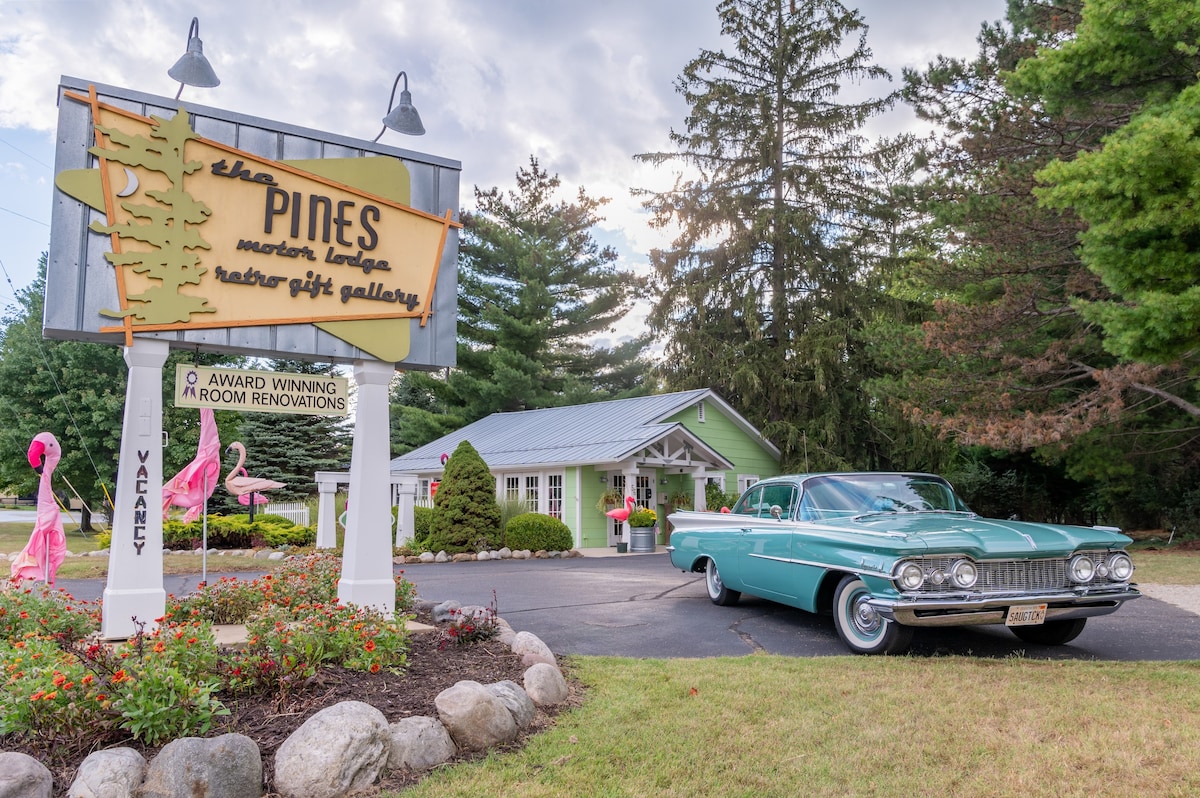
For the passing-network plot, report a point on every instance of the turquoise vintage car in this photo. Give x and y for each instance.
(887, 552)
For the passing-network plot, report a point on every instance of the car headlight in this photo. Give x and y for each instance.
(1120, 567)
(1081, 568)
(964, 573)
(910, 576)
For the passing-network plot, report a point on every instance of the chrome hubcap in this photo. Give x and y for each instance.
(866, 619)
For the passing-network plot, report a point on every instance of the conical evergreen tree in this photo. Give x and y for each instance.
(466, 516)
(534, 289)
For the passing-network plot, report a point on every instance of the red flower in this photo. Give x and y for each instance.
(369, 645)
(120, 676)
(374, 667)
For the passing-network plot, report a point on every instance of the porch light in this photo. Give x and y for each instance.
(192, 68)
(404, 117)
(603, 479)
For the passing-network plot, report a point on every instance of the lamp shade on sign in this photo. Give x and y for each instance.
(192, 68)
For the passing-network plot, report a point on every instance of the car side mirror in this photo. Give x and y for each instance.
(776, 511)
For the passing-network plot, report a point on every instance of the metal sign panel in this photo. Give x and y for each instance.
(227, 233)
(261, 391)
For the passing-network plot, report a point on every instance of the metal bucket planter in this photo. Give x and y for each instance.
(641, 538)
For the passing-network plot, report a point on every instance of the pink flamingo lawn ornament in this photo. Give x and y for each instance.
(237, 483)
(244, 499)
(194, 485)
(47, 546)
(621, 514)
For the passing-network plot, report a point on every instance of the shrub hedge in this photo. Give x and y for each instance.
(236, 532)
(537, 532)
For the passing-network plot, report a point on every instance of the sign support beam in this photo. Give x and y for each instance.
(134, 594)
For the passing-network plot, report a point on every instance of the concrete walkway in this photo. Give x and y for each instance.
(611, 551)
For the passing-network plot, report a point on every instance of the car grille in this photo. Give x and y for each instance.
(1010, 576)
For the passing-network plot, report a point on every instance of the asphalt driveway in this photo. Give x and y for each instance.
(641, 606)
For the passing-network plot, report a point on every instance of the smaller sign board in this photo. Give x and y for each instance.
(261, 391)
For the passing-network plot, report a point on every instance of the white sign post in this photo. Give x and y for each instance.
(367, 578)
(134, 593)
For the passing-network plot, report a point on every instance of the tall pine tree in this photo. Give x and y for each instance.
(535, 290)
(765, 292)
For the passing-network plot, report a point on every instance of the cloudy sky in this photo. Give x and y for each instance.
(581, 85)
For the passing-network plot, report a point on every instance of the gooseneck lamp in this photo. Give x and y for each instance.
(403, 118)
(192, 68)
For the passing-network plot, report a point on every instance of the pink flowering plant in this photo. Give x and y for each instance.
(65, 692)
(466, 628)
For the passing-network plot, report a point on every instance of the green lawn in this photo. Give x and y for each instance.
(855, 726)
(14, 536)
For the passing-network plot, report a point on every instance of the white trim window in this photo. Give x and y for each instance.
(554, 495)
(745, 481)
(531, 495)
(644, 495)
(536, 491)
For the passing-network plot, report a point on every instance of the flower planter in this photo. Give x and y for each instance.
(622, 547)
(641, 538)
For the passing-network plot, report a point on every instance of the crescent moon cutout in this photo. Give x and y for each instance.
(131, 183)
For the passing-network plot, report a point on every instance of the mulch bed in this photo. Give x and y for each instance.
(269, 721)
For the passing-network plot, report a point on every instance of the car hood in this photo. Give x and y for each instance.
(984, 537)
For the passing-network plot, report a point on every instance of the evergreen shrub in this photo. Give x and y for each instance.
(537, 532)
(422, 516)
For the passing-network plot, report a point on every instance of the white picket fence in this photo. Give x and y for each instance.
(296, 512)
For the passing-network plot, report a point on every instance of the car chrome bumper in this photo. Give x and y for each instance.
(992, 609)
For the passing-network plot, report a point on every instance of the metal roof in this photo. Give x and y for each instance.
(589, 434)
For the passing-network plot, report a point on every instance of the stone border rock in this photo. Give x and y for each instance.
(341, 750)
(500, 554)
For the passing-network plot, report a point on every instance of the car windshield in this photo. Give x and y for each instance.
(844, 495)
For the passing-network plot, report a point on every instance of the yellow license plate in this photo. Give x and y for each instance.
(1026, 615)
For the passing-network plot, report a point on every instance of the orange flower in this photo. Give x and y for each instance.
(88, 679)
(120, 676)
(374, 667)
(159, 647)
(369, 645)
(37, 696)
